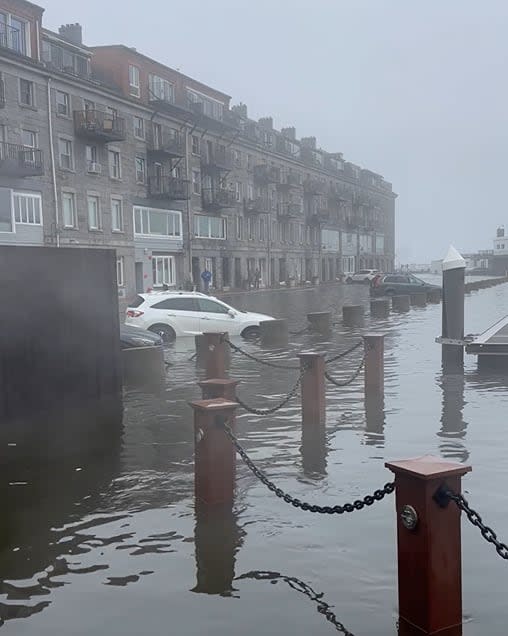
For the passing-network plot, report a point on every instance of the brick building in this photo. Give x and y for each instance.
(104, 146)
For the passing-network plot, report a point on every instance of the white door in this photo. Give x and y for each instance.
(215, 317)
(182, 314)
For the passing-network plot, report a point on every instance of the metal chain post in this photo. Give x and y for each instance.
(358, 504)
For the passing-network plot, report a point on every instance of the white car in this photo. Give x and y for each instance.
(173, 313)
(362, 276)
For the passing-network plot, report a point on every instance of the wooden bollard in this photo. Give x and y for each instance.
(217, 355)
(429, 554)
(419, 299)
(434, 296)
(214, 454)
(374, 364)
(274, 333)
(401, 303)
(320, 322)
(380, 307)
(352, 315)
(219, 388)
(312, 366)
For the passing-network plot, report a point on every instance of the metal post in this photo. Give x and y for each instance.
(454, 267)
(216, 355)
(214, 455)
(374, 345)
(401, 303)
(312, 366)
(428, 545)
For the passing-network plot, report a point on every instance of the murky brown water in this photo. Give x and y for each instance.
(111, 545)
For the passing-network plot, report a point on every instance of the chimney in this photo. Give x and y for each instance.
(72, 33)
(240, 110)
(289, 133)
(500, 232)
(266, 123)
(308, 142)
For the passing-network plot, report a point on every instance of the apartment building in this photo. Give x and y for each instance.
(106, 147)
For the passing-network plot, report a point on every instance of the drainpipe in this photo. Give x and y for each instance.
(53, 173)
(188, 205)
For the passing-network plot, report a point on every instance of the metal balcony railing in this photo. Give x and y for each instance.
(289, 210)
(168, 187)
(216, 159)
(289, 180)
(218, 198)
(264, 174)
(314, 187)
(20, 161)
(99, 125)
(169, 143)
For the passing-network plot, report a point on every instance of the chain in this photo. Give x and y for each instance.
(487, 533)
(351, 379)
(275, 365)
(368, 500)
(322, 607)
(277, 407)
(300, 331)
(344, 353)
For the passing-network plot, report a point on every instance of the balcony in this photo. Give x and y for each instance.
(169, 188)
(318, 214)
(167, 144)
(99, 126)
(2, 94)
(289, 210)
(20, 161)
(215, 199)
(313, 187)
(264, 174)
(289, 180)
(216, 160)
(259, 205)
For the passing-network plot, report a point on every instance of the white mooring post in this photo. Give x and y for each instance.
(452, 352)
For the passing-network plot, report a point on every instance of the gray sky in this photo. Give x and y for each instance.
(415, 91)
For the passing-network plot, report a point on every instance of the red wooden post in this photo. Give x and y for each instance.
(219, 388)
(312, 366)
(429, 555)
(216, 355)
(374, 363)
(214, 454)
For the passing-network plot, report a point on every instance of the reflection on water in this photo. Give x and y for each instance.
(77, 536)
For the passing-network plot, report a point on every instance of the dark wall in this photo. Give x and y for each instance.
(499, 265)
(59, 329)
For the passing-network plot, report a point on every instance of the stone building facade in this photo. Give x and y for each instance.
(106, 147)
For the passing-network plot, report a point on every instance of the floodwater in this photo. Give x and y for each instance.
(110, 544)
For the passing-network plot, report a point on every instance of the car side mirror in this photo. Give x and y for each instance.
(231, 313)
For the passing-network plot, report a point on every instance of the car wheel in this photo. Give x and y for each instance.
(349, 280)
(250, 333)
(164, 331)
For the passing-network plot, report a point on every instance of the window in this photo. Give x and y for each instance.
(238, 190)
(63, 106)
(292, 233)
(163, 270)
(250, 191)
(134, 89)
(151, 221)
(112, 111)
(94, 213)
(66, 154)
(262, 229)
(14, 34)
(26, 93)
(195, 145)
(177, 304)
(237, 158)
(27, 208)
(209, 227)
(139, 127)
(208, 106)
(251, 226)
(29, 138)
(140, 170)
(160, 89)
(250, 162)
(88, 105)
(69, 210)
(116, 215)
(120, 264)
(115, 171)
(212, 307)
(196, 182)
(239, 228)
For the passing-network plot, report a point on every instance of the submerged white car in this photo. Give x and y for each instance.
(173, 313)
(363, 276)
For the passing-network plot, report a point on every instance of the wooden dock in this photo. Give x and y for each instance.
(492, 345)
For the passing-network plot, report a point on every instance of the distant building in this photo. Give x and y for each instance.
(500, 255)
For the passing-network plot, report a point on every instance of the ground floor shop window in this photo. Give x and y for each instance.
(163, 270)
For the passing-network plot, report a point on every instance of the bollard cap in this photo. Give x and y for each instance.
(428, 467)
(453, 260)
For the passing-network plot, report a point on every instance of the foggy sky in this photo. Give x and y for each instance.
(414, 91)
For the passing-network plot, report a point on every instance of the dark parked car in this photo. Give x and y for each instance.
(395, 284)
(131, 337)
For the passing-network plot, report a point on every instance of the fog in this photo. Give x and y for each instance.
(414, 91)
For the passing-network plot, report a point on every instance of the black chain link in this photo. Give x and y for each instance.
(268, 363)
(344, 353)
(299, 332)
(368, 500)
(487, 533)
(343, 383)
(277, 407)
(323, 608)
